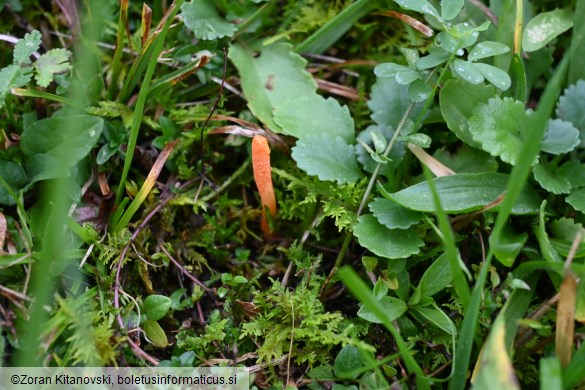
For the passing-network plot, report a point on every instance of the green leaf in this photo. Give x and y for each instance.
(44, 167)
(500, 127)
(53, 62)
(365, 158)
(571, 107)
(577, 199)
(577, 64)
(384, 242)
(390, 69)
(497, 77)
(392, 215)
(495, 368)
(51, 136)
(509, 246)
(468, 71)
(388, 102)
(435, 316)
(15, 177)
(519, 85)
(155, 333)
(458, 99)
(546, 176)
(487, 49)
(201, 17)
(348, 363)
(545, 27)
(12, 76)
(393, 308)
(422, 6)
(419, 91)
(574, 172)
(551, 373)
(330, 159)
(451, 8)
(156, 306)
(436, 278)
(560, 137)
(466, 159)
(463, 193)
(271, 78)
(25, 47)
(436, 57)
(312, 115)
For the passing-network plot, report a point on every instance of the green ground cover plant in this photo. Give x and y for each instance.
(427, 164)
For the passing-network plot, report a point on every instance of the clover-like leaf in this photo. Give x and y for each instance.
(268, 80)
(500, 127)
(26, 47)
(392, 215)
(451, 8)
(462, 193)
(422, 6)
(495, 76)
(560, 137)
(571, 107)
(201, 17)
(436, 57)
(328, 158)
(384, 242)
(468, 71)
(487, 49)
(544, 27)
(53, 62)
(313, 114)
(458, 99)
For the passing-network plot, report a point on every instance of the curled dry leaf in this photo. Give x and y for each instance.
(263, 179)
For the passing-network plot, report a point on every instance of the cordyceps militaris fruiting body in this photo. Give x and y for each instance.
(263, 179)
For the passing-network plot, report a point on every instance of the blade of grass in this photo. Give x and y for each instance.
(361, 291)
(141, 102)
(451, 251)
(551, 377)
(46, 96)
(518, 177)
(515, 307)
(117, 61)
(577, 65)
(327, 35)
(166, 82)
(55, 205)
(574, 373)
(147, 186)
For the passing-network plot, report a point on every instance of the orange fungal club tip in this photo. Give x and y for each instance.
(263, 179)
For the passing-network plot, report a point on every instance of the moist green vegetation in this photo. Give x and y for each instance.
(428, 164)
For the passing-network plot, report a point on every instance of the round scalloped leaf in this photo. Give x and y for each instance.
(499, 126)
(463, 193)
(571, 107)
(574, 172)
(384, 242)
(268, 80)
(392, 215)
(549, 180)
(388, 102)
(327, 158)
(313, 114)
(577, 199)
(458, 99)
(560, 137)
(545, 27)
(201, 17)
